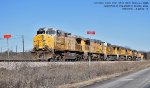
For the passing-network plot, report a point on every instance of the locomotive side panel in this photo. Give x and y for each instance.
(60, 43)
(70, 43)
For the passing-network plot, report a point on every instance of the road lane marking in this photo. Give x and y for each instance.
(127, 79)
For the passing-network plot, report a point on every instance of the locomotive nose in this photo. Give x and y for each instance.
(39, 42)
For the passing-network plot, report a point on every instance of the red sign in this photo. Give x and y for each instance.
(91, 32)
(7, 36)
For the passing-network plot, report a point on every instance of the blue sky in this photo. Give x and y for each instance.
(113, 25)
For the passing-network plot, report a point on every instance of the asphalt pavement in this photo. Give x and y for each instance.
(140, 79)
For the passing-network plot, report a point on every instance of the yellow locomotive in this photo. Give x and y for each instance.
(115, 52)
(52, 44)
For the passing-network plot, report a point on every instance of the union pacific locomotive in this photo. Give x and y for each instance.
(56, 45)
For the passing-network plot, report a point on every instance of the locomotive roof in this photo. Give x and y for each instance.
(46, 29)
(117, 46)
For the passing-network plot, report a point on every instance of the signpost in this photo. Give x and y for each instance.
(90, 33)
(1, 47)
(7, 36)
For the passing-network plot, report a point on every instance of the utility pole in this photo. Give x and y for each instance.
(23, 44)
(1, 50)
(16, 49)
(1, 46)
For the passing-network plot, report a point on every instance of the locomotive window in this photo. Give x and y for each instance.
(87, 42)
(59, 33)
(40, 32)
(50, 32)
(78, 40)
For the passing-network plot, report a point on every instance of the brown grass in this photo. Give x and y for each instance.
(15, 56)
(50, 75)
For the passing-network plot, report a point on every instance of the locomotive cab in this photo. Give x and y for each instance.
(44, 40)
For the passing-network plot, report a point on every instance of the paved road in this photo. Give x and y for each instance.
(140, 79)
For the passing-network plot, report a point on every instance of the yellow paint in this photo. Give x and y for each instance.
(105, 49)
(115, 51)
(42, 41)
(139, 55)
(129, 53)
(123, 51)
(59, 43)
(83, 45)
(101, 49)
(85, 48)
(109, 50)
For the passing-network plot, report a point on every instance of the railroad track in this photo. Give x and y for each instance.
(40, 61)
(33, 61)
(15, 60)
(22, 61)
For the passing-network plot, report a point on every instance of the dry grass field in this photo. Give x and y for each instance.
(14, 56)
(53, 74)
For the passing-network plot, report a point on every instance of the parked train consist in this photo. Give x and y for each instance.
(52, 44)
